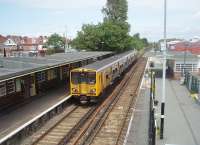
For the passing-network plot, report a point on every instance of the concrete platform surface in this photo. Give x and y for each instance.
(182, 121)
(20, 116)
(138, 134)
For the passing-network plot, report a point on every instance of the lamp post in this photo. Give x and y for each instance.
(164, 73)
(184, 59)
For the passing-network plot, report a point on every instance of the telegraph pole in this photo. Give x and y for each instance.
(162, 117)
(66, 41)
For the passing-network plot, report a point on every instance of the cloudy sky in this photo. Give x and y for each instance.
(43, 17)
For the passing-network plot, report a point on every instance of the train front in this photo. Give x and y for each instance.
(83, 84)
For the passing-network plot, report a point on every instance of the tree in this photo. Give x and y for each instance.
(112, 34)
(139, 43)
(88, 38)
(56, 42)
(116, 10)
(107, 36)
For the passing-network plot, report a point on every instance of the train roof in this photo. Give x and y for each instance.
(12, 67)
(102, 63)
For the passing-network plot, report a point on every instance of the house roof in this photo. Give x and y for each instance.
(2, 39)
(193, 47)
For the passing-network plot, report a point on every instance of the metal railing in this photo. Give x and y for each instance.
(152, 121)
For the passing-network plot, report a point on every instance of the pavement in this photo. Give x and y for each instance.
(182, 116)
(21, 115)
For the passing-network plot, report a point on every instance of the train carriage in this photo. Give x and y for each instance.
(88, 82)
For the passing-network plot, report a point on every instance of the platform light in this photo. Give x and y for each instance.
(162, 117)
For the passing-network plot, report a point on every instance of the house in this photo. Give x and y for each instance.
(2, 40)
(186, 57)
(15, 44)
(34, 43)
(181, 62)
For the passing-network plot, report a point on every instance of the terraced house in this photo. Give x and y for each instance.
(13, 44)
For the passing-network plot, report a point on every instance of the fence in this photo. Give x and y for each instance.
(152, 121)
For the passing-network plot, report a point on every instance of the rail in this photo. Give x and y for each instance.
(20, 131)
(89, 131)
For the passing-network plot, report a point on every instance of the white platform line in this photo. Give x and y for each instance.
(132, 116)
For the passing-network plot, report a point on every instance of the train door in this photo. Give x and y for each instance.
(100, 84)
(83, 87)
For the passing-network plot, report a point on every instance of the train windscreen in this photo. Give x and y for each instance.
(83, 77)
(75, 77)
(91, 78)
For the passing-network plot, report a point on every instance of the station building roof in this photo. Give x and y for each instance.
(13, 67)
(179, 56)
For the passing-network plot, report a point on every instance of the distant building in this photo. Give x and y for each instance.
(190, 46)
(14, 44)
(2, 40)
(180, 62)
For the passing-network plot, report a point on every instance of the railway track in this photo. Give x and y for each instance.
(62, 128)
(103, 122)
(109, 126)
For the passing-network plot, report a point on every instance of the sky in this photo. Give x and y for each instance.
(44, 17)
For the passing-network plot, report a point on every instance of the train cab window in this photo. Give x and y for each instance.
(91, 77)
(75, 77)
(82, 78)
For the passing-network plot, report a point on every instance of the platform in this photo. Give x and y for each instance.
(23, 114)
(138, 133)
(182, 121)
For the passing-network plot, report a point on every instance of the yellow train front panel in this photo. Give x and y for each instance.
(84, 83)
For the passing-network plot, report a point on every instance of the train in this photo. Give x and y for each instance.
(88, 83)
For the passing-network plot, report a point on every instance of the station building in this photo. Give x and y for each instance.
(177, 64)
(25, 77)
(180, 62)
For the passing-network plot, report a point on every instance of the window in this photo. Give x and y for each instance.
(75, 77)
(65, 70)
(2, 89)
(83, 77)
(10, 86)
(188, 67)
(41, 77)
(18, 85)
(91, 78)
(54, 73)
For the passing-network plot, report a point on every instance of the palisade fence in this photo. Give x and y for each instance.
(152, 121)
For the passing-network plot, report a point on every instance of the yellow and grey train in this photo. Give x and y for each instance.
(88, 83)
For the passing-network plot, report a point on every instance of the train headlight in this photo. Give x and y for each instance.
(74, 90)
(93, 91)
